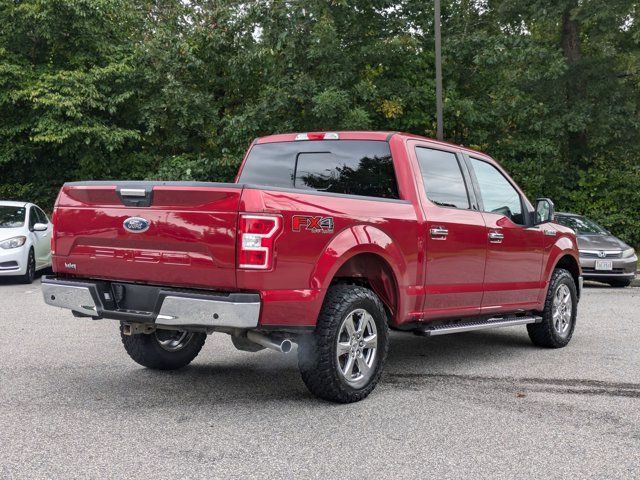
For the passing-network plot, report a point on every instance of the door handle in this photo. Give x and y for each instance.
(496, 237)
(439, 233)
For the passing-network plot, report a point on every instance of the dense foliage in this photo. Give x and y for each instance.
(171, 89)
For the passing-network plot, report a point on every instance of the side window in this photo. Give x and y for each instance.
(442, 178)
(498, 195)
(42, 217)
(33, 217)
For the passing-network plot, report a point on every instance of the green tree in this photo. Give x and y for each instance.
(168, 89)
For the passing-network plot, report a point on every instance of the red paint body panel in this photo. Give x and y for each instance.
(192, 241)
(514, 266)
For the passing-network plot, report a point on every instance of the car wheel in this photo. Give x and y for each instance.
(163, 349)
(559, 314)
(30, 274)
(620, 283)
(343, 359)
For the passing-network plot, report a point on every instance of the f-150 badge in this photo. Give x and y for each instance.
(312, 224)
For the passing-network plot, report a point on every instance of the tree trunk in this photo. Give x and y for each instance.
(577, 142)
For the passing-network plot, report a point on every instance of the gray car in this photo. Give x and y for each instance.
(603, 257)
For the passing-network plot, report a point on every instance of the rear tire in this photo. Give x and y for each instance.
(30, 274)
(163, 349)
(343, 359)
(559, 314)
(620, 283)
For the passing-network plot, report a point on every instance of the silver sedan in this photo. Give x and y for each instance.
(603, 257)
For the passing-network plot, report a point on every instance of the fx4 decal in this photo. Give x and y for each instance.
(312, 224)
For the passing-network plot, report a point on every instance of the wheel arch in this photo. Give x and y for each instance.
(366, 256)
(568, 262)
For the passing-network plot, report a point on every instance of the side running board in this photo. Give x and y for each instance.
(471, 324)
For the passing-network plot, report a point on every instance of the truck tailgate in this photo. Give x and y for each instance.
(165, 233)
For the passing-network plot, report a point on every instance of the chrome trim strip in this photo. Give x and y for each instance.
(595, 252)
(77, 299)
(184, 311)
(611, 274)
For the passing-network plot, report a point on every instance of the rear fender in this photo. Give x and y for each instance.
(357, 240)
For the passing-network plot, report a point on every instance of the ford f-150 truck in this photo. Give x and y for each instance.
(325, 240)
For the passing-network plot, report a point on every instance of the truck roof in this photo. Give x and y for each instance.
(360, 135)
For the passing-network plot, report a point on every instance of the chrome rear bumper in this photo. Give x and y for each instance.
(165, 307)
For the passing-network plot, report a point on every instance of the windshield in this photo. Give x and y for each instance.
(581, 225)
(12, 217)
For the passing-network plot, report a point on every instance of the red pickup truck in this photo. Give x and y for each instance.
(325, 240)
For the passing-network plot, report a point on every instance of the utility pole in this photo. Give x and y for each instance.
(440, 134)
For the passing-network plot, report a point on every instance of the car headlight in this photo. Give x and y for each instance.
(14, 242)
(629, 252)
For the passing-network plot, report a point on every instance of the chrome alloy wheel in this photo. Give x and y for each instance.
(172, 340)
(356, 348)
(562, 310)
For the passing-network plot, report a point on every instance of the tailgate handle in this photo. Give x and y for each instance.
(135, 197)
(133, 192)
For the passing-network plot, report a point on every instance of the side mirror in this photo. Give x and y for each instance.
(40, 227)
(544, 211)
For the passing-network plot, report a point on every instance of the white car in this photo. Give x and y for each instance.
(25, 240)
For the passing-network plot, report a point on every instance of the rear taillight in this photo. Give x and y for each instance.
(54, 231)
(256, 240)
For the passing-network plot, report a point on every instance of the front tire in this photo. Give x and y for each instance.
(163, 349)
(343, 359)
(30, 274)
(559, 314)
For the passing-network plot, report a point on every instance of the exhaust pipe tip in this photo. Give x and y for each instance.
(278, 344)
(286, 346)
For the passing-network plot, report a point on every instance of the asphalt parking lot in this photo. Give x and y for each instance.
(475, 405)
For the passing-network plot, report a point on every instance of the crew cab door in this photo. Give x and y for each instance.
(455, 244)
(514, 249)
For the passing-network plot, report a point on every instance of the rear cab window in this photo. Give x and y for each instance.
(350, 167)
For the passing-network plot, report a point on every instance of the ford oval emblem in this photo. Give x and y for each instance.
(136, 225)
